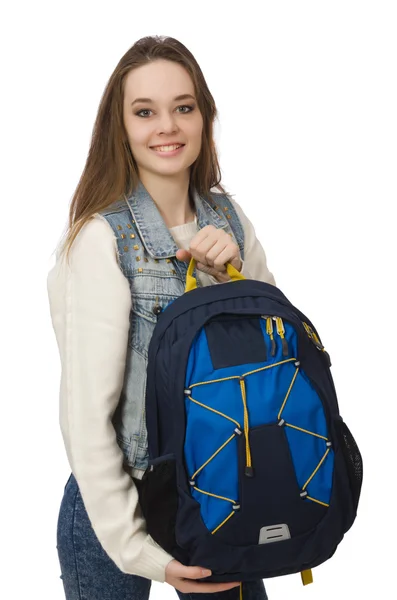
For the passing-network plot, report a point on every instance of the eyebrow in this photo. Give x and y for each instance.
(148, 100)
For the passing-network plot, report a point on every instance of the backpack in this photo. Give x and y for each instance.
(252, 471)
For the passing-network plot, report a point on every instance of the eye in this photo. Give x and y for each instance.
(187, 106)
(138, 114)
(146, 110)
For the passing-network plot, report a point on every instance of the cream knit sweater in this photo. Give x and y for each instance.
(90, 302)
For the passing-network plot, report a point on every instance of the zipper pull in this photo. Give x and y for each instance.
(269, 331)
(321, 347)
(314, 338)
(307, 329)
(281, 331)
(249, 471)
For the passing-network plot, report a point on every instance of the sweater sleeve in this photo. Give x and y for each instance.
(255, 261)
(90, 304)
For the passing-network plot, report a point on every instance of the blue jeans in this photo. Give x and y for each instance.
(88, 573)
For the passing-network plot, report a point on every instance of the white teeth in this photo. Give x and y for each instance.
(168, 148)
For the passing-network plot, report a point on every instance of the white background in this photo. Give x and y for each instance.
(307, 101)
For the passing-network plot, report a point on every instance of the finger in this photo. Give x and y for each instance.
(192, 572)
(210, 587)
(183, 255)
(203, 233)
(203, 241)
(214, 256)
(212, 246)
(207, 269)
(199, 238)
(201, 250)
(220, 276)
(228, 254)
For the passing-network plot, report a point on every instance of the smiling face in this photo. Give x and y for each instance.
(168, 115)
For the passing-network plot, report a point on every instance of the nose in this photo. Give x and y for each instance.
(167, 124)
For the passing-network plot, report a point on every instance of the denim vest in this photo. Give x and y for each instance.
(146, 253)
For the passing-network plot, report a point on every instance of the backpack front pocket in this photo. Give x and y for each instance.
(258, 453)
(273, 506)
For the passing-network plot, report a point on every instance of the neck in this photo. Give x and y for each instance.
(171, 196)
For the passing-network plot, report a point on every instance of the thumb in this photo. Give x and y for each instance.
(183, 255)
(193, 572)
(177, 569)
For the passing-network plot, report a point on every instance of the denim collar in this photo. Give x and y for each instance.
(154, 233)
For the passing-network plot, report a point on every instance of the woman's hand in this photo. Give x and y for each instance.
(212, 248)
(177, 575)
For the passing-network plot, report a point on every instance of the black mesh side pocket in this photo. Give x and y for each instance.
(158, 499)
(353, 460)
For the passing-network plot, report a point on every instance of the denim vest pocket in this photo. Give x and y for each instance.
(149, 294)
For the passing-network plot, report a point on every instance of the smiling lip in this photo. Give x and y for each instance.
(170, 144)
(168, 153)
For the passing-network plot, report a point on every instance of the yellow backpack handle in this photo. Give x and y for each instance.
(191, 282)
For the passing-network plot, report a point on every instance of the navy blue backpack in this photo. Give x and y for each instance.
(252, 471)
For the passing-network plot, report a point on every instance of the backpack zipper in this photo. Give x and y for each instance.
(281, 332)
(269, 331)
(249, 471)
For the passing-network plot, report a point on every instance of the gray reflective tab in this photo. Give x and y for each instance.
(274, 533)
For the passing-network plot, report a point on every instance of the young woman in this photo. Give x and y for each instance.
(153, 158)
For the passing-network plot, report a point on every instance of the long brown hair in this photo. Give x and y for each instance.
(110, 170)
